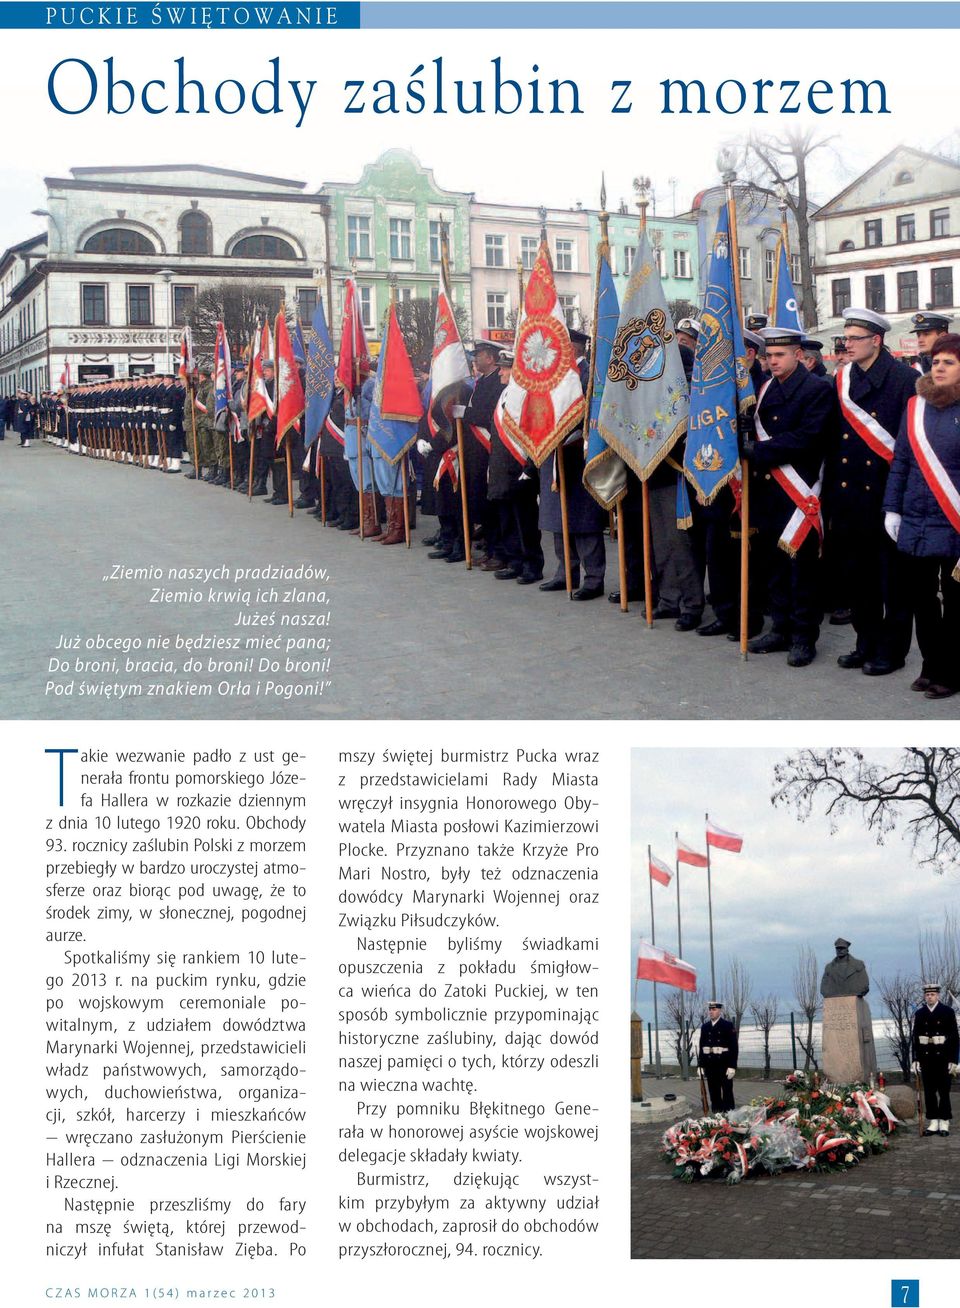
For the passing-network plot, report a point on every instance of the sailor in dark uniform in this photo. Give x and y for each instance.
(873, 389)
(477, 432)
(929, 327)
(512, 486)
(796, 419)
(754, 350)
(812, 360)
(935, 1047)
(717, 1057)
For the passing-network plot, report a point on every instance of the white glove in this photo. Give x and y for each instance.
(458, 410)
(731, 1073)
(915, 1067)
(891, 525)
(306, 462)
(700, 1073)
(953, 1068)
(424, 448)
(523, 477)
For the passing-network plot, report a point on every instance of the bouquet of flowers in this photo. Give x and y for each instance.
(812, 1125)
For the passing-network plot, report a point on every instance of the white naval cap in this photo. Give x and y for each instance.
(874, 322)
(781, 336)
(753, 339)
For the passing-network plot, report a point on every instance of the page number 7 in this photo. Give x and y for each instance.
(905, 1294)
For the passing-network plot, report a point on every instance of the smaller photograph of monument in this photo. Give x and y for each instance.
(795, 972)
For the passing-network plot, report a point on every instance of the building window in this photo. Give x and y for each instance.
(907, 291)
(401, 238)
(358, 236)
(263, 247)
(529, 245)
(875, 292)
(629, 254)
(906, 228)
(840, 290)
(570, 305)
(496, 309)
(436, 247)
(495, 251)
(118, 240)
(904, 178)
(846, 246)
(196, 235)
(941, 288)
(306, 304)
(796, 269)
(183, 298)
(565, 256)
(743, 252)
(768, 265)
(405, 295)
(873, 232)
(939, 223)
(93, 305)
(366, 306)
(139, 306)
(681, 263)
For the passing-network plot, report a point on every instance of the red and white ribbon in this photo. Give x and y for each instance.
(863, 423)
(934, 473)
(806, 515)
(449, 467)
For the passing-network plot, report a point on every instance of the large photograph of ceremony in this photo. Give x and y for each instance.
(695, 434)
(794, 972)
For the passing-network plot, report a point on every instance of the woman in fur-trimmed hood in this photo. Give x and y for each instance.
(922, 514)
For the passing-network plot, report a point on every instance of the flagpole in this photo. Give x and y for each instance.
(653, 941)
(642, 185)
(684, 1061)
(616, 520)
(356, 387)
(713, 975)
(729, 176)
(464, 502)
(251, 430)
(403, 457)
(558, 453)
(321, 461)
(276, 400)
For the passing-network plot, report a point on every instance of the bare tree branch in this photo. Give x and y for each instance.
(919, 795)
(806, 992)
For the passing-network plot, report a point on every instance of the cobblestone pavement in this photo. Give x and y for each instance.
(411, 638)
(897, 1204)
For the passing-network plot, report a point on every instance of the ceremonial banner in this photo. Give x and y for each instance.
(721, 385)
(320, 374)
(353, 342)
(544, 398)
(720, 839)
(449, 367)
(660, 965)
(258, 398)
(645, 397)
(604, 472)
(396, 408)
(659, 871)
(687, 855)
(783, 298)
(289, 392)
(222, 376)
(187, 365)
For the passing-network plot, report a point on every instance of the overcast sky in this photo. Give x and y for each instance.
(521, 159)
(793, 884)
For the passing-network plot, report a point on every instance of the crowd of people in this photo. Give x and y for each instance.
(854, 488)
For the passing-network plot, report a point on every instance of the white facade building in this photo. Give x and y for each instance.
(890, 241)
(107, 287)
(502, 234)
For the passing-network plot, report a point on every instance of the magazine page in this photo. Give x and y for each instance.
(530, 847)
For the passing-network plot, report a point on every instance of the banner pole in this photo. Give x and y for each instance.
(729, 177)
(713, 975)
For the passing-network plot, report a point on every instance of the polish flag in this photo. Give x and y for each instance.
(687, 855)
(659, 871)
(720, 839)
(655, 964)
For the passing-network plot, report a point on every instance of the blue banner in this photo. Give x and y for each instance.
(604, 474)
(720, 383)
(320, 369)
(784, 311)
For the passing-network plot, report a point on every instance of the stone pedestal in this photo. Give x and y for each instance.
(848, 1049)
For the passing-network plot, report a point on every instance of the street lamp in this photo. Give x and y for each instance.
(168, 275)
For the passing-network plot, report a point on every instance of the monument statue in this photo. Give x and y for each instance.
(848, 1049)
(844, 975)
